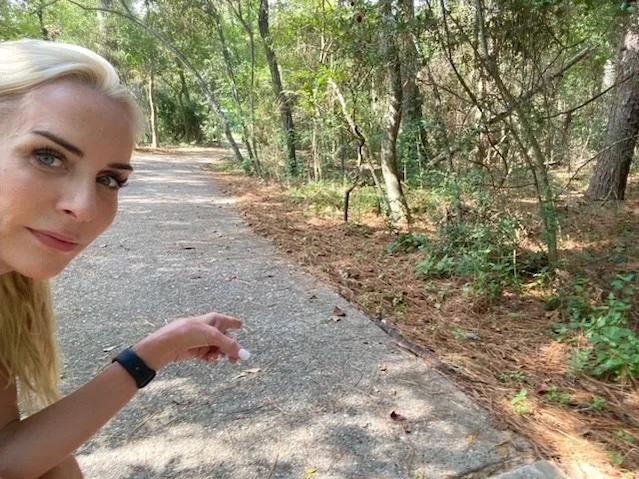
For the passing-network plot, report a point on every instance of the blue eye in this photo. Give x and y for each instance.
(49, 158)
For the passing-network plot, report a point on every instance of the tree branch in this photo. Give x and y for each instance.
(182, 58)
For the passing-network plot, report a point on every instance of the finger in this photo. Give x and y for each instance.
(223, 322)
(226, 345)
(212, 358)
(213, 354)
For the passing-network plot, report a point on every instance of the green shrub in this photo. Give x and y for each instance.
(326, 198)
(520, 402)
(485, 253)
(613, 345)
(557, 396)
(408, 243)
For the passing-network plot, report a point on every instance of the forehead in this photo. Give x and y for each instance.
(79, 114)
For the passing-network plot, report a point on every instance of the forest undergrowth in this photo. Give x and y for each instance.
(554, 355)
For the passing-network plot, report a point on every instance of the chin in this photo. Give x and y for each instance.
(40, 271)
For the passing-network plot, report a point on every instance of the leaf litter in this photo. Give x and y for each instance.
(510, 347)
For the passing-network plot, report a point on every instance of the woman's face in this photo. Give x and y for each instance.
(64, 154)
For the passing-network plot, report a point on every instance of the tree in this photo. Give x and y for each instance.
(412, 101)
(283, 100)
(613, 164)
(392, 95)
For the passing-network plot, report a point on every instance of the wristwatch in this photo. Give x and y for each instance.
(135, 366)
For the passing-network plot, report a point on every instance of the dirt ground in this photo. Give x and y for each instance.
(491, 350)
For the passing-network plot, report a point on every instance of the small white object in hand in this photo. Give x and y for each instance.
(243, 354)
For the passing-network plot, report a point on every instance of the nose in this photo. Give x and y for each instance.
(79, 201)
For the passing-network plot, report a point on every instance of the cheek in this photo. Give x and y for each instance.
(22, 192)
(107, 210)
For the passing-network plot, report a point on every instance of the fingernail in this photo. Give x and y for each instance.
(243, 354)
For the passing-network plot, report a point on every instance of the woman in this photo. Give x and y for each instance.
(67, 132)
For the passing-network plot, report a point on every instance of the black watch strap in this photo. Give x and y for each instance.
(134, 365)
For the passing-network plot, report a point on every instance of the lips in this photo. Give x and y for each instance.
(56, 241)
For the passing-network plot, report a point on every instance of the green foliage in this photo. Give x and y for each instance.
(612, 348)
(557, 396)
(598, 403)
(625, 436)
(475, 239)
(326, 198)
(513, 376)
(408, 243)
(616, 457)
(520, 402)
(484, 253)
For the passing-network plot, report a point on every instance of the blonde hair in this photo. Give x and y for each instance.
(28, 346)
(26, 64)
(29, 352)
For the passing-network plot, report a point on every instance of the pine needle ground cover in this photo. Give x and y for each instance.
(516, 352)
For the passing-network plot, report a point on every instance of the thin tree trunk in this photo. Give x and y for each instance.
(107, 44)
(237, 10)
(399, 212)
(317, 162)
(363, 151)
(184, 92)
(613, 165)
(283, 101)
(226, 55)
(153, 112)
(413, 124)
(40, 14)
(206, 87)
(547, 207)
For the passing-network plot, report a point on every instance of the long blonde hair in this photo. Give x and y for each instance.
(28, 344)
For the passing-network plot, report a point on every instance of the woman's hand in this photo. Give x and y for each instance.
(200, 337)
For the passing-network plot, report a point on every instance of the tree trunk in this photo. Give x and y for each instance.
(184, 92)
(535, 157)
(248, 27)
(40, 14)
(399, 213)
(226, 55)
(107, 44)
(153, 112)
(611, 172)
(283, 101)
(413, 125)
(363, 149)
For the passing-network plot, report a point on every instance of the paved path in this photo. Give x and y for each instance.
(314, 401)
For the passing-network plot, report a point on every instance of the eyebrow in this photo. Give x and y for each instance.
(75, 150)
(63, 143)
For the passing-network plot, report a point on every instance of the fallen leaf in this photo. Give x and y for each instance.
(396, 416)
(473, 337)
